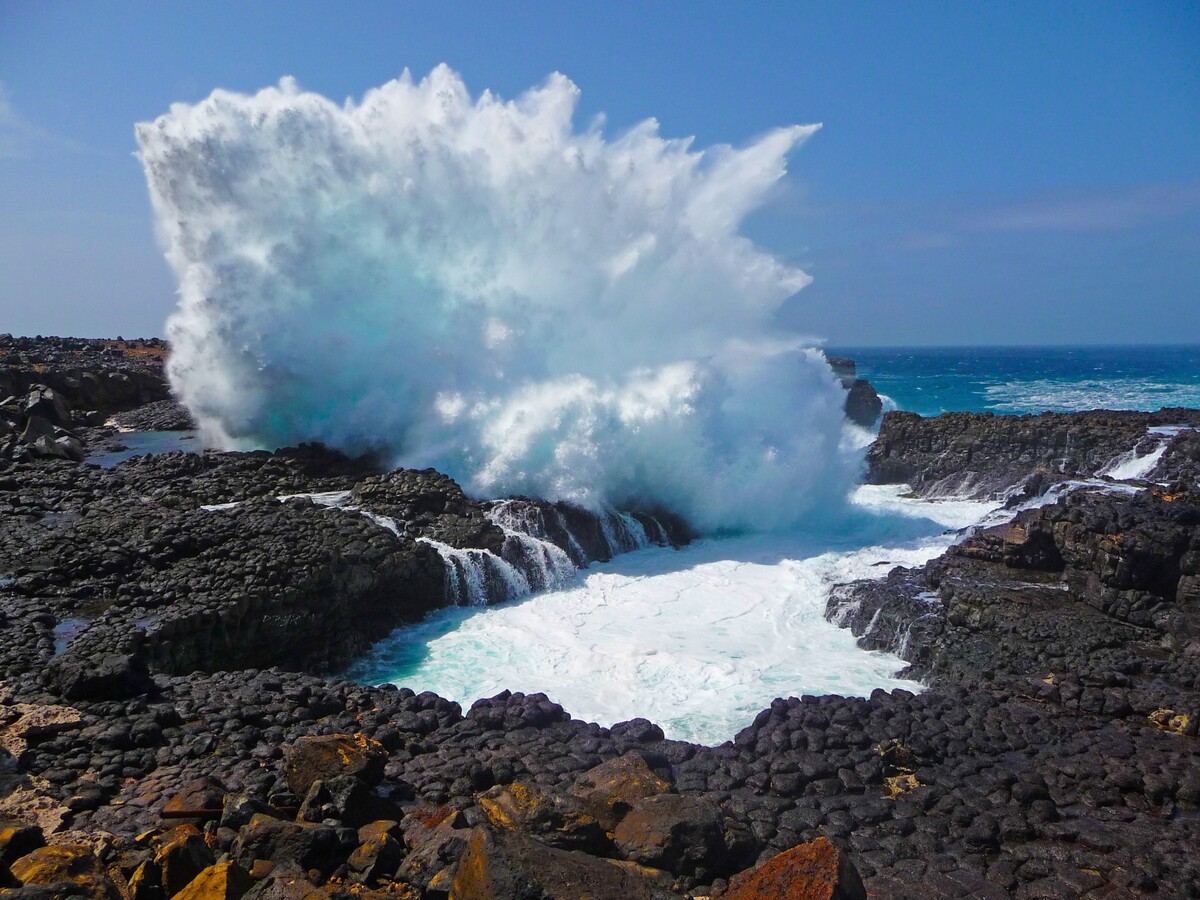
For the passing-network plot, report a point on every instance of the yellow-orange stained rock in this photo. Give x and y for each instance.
(813, 871)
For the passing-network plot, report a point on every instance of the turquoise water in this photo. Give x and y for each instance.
(933, 380)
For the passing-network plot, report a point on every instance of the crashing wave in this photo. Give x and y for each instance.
(475, 285)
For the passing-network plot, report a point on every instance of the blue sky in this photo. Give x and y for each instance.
(987, 173)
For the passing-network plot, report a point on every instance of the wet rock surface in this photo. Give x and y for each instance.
(165, 729)
(863, 403)
(1070, 636)
(984, 455)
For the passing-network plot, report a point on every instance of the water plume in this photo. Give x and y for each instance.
(475, 285)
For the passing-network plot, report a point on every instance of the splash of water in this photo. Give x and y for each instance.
(476, 285)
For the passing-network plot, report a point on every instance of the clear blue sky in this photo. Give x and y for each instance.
(988, 172)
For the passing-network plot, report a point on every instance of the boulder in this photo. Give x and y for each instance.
(436, 838)
(293, 845)
(16, 840)
(114, 676)
(552, 818)
(37, 428)
(673, 832)
(378, 854)
(507, 864)
(609, 790)
(46, 403)
(69, 864)
(182, 855)
(863, 404)
(206, 793)
(68, 446)
(814, 871)
(222, 881)
(323, 757)
(146, 882)
(343, 798)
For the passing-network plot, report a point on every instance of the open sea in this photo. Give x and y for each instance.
(933, 380)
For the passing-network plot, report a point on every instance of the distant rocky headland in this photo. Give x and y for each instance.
(171, 726)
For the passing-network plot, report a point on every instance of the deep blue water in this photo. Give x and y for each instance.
(932, 380)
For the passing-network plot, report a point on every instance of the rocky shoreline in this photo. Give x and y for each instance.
(167, 627)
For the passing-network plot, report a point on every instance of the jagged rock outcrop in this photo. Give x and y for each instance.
(1180, 462)
(39, 424)
(985, 455)
(162, 415)
(863, 404)
(54, 390)
(298, 558)
(1098, 590)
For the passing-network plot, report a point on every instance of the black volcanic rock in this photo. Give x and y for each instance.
(431, 505)
(51, 388)
(1052, 754)
(985, 455)
(863, 404)
(1098, 587)
(1180, 462)
(162, 415)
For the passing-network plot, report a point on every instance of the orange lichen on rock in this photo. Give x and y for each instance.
(322, 757)
(813, 871)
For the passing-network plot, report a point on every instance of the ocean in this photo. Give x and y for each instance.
(933, 380)
(699, 640)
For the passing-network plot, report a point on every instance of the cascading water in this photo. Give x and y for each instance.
(476, 285)
(478, 577)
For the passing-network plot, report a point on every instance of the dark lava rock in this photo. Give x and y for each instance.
(109, 676)
(161, 415)
(1052, 753)
(326, 757)
(672, 832)
(985, 455)
(863, 404)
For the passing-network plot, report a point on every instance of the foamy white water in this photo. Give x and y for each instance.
(1131, 465)
(697, 640)
(1055, 395)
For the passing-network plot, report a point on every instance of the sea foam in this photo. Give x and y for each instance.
(476, 285)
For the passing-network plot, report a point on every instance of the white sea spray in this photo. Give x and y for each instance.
(475, 285)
